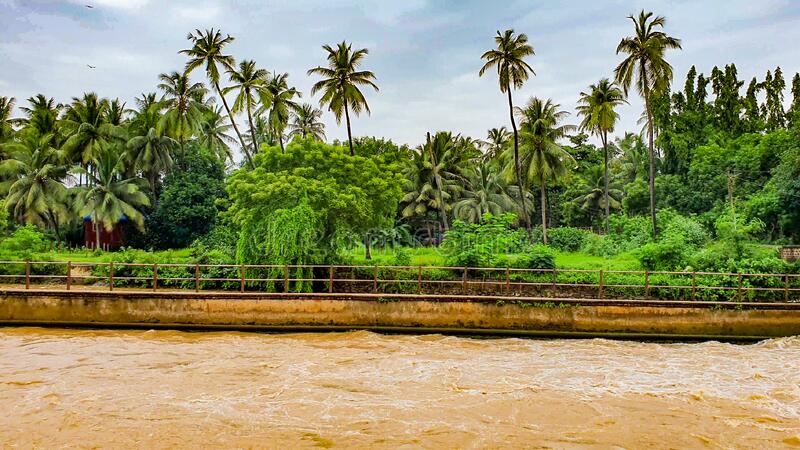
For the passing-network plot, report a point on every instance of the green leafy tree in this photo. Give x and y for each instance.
(151, 154)
(42, 115)
(187, 208)
(496, 141)
(645, 64)
(597, 195)
(6, 122)
(542, 158)
(213, 135)
(599, 116)
(341, 83)
(306, 123)
(277, 101)
(247, 81)
(512, 71)
(207, 50)
(339, 196)
(774, 86)
(90, 134)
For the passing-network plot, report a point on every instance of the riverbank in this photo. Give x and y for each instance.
(487, 315)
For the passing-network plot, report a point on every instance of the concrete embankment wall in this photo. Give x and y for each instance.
(321, 312)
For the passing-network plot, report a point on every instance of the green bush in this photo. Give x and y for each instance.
(402, 257)
(666, 255)
(604, 246)
(537, 257)
(567, 239)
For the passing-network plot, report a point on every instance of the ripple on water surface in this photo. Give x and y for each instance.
(360, 389)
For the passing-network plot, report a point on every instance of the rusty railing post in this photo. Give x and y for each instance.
(419, 280)
(375, 279)
(286, 278)
(602, 284)
(241, 277)
(111, 276)
(508, 280)
(464, 282)
(786, 288)
(69, 274)
(155, 277)
(555, 281)
(739, 288)
(27, 274)
(330, 279)
(694, 285)
(647, 284)
(197, 277)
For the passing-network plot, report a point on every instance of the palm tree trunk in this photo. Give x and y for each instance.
(544, 210)
(252, 128)
(516, 163)
(605, 177)
(96, 233)
(280, 141)
(349, 133)
(235, 127)
(367, 247)
(651, 151)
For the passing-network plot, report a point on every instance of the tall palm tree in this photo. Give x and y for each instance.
(6, 122)
(263, 132)
(599, 116)
(213, 134)
(111, 196)
(652, 73)
(88, 129)
(116, 112)
(151, 154)
(633, 159)
(247, 80)
(207, 47)
(509, 60)
(306, 123)
(496, 140)
(542, 158)
(276, 100)
(596, 194)
(341, 82)
(485, 192)
(33, 174)
(185, 106)
(42, 114)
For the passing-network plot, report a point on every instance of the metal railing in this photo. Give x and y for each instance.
(465, 281)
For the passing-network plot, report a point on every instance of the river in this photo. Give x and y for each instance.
(169, 389)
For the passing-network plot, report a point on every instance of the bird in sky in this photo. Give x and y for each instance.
(89, 6)
(91, 67)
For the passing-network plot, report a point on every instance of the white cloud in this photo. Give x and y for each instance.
(120, 4)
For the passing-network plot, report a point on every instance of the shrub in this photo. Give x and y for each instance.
(667, 254)
(567, 239)
(537, 257)
(402, 257)
(604, 246)
(676, 226)
(23, 242)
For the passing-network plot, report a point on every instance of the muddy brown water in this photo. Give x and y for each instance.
(169, 389)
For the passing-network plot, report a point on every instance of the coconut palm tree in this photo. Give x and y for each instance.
(341, 82)
(599, 116)
(6, 122)
(263, 132)
(485, 191)
(110, 196)
(42, 115)
(633, 161)
(496, 140)
(151, 154)
(276, 100)
(645, 65)
(247, 81)
(33, 174)
(306, 123)
(116, 112)
(88, 130)
(185, 107)
(542, 158)
(596, 193)
(512, 70)
(213, 134)
(207, 47)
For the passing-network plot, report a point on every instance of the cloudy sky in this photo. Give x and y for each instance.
(425, 53)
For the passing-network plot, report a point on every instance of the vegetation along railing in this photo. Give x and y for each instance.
(468, 281)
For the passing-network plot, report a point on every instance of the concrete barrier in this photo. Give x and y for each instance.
(321, 312)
